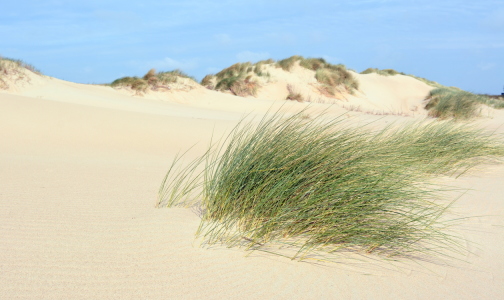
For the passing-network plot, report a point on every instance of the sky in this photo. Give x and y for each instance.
(456, 43)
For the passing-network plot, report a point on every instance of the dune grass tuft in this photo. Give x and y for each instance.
(492, 101)
(445, 103)
(384, 72)
(392, 72)
(4, 65)
(288, 63)
(151, 80)
(330, 76)
(294, 95)
(322, 186)
(240, 79)
(14, 68)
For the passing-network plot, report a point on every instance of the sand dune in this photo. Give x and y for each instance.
(80, 166)
(377, 94)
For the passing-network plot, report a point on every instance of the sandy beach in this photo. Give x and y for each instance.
(81, 165)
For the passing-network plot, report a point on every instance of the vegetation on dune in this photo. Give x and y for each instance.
(4, 65)
(14, 67)
(392, 72)
(430, 82)
(258, 67)
(151, 80)
(445, 103)
(293, 95)
(332, 77)
(492, 101)
(239, 79)
(288, 63)
(448, 102)
(321, 186)
(208, 81)
(238, 86)
(384, 72)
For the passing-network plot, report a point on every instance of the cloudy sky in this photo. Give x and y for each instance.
(457, 43)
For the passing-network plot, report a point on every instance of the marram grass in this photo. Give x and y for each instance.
(445, 103)
(323, 186)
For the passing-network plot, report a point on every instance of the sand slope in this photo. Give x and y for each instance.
(80, 167)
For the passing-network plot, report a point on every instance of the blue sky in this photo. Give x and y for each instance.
(457, 43)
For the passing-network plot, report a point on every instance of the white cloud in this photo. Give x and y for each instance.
(252, 56)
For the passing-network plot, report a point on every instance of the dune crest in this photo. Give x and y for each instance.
(376, 94)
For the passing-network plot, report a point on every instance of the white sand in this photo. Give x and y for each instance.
(80, 167)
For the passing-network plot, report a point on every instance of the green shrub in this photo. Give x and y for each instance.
(445, 103)
(323, 186)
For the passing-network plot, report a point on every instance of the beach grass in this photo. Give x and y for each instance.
(384, 72)
(321, 185)
(445, 103)
(331, 77)
(151, 80)
(392, 72)
(6, 63)
(14, 68)
(293, 94)
(335, 76)
(239, 79)
(287, 63)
